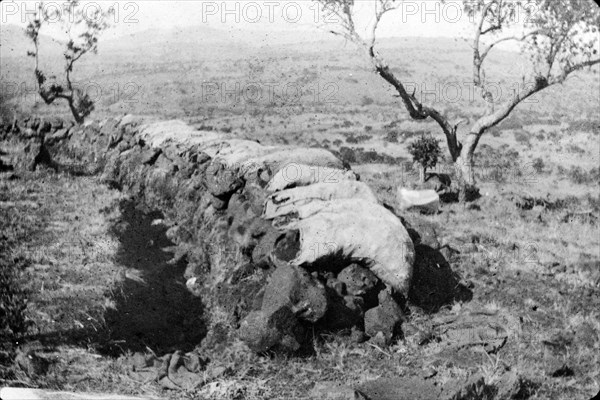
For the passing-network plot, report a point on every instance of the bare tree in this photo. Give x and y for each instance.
(83, 30)
(560, 37)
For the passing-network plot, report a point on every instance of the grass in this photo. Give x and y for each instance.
(530, 265)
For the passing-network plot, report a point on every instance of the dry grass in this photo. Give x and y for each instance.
(531, 265)
(73, 277)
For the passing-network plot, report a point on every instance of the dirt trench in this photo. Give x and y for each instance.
(153, 307)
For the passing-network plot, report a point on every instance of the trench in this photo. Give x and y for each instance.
(153, 307)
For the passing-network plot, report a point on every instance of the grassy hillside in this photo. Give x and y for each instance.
(539, 265)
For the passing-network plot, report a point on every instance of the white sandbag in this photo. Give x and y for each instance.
(287, 201)
(289, 157)
(296, 174)
(237, 152)
(157, 134)
(426, 200)
(357, 229)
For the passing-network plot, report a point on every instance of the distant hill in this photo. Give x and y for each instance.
(15, 43)
(180, 43)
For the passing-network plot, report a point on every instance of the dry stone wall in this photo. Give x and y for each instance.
(280, 241)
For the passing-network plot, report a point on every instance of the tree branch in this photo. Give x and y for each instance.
(562, 77)
(487, 50)
(493, 119)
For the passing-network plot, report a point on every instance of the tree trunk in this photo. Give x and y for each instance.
(421, 174)
(464, 167)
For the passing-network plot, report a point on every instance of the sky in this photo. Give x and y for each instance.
(429, 18)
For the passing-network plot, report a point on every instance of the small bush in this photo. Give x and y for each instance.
(538, 165)
(358, 139)
(425, 151)
(581, 177)
(523, 138)
(366, 101)
(573, 148)
(392, 137)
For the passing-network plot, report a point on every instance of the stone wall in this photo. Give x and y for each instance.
(280, 241)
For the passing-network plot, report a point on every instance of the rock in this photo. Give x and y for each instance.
(129, 119)
(399, 389)
(109, 127)
(59, 135)
(357, 335)
(222, 181)
(385, 318)
(263, 249)
(339, 316)
(280, 330)
(291, 294)
(474, 388)
(141, 361)
(474, 328)
(334, 391)
(512, 386)
(45, 128)
(57, 123)
(586, 333)
(30, 158)
(150, 156)
(563, 371)
(293, 287)
(359, 281)
(448, 252)
(193, 362)
(218, 203)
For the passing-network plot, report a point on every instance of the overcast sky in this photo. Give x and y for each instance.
(413, 18)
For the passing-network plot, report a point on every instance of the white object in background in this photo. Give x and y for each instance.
(19, 394)
(37, 394)
(426, 200)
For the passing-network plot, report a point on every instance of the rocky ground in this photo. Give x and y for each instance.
(504, 303)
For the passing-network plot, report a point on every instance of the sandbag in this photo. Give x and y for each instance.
(295, 174)
(426, 200)
(359, 230)
(287, 201)
(157, 134)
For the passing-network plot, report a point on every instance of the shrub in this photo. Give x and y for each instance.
(523, 138)
(392, 137)
(366, 101)
(538, 165)
(425, 152)
(579, 176)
